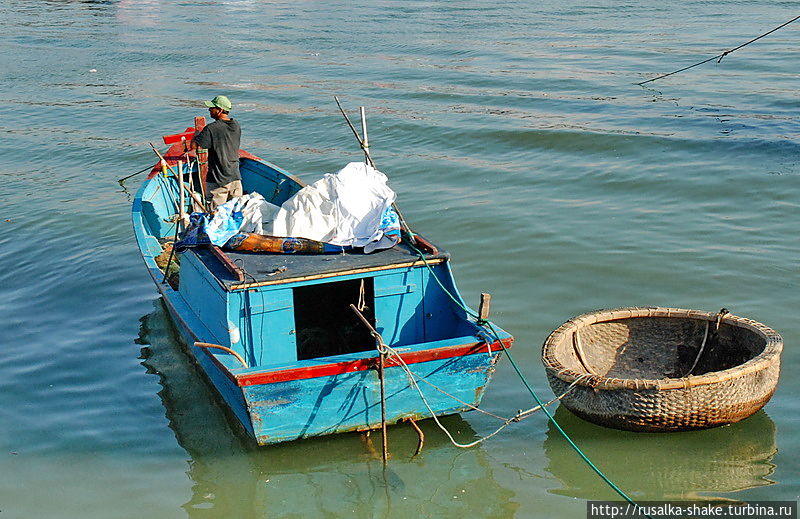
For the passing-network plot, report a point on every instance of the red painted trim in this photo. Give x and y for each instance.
(338, 368)
(177, 152)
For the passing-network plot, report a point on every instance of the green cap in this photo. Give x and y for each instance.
(220, 102)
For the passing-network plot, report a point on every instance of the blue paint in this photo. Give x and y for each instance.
(265, 318)
(348, 402)
(411, 311)
(399, 313)
(205, 298)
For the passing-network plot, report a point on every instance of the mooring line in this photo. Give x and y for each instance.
(719, 57)
(488, 327)
(521, 415)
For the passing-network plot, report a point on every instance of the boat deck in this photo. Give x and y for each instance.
(262, 269)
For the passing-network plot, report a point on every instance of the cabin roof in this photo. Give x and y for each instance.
(262, 269)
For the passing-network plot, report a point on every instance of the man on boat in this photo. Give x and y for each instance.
(222, 139)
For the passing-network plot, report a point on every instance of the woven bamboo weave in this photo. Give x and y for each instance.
(663, 369)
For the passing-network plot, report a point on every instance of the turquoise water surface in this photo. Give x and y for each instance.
(515, 137)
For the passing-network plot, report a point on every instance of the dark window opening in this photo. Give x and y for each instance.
(325, 323)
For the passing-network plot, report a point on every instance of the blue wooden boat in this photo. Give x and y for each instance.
(275, 335)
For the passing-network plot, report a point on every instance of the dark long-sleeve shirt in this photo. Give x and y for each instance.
(222, 139)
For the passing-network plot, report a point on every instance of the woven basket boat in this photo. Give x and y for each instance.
(662, 369)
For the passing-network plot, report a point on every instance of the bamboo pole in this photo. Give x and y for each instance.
(179, 222)
(190, 184)
(384, 435)
(365, 146)
(164, 161)
(381, 365)
(181, 212)
(365, 142)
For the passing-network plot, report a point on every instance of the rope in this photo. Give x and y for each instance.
(362, 302)
(521, 415)
(699, 352)
(539, 402)
(388, 351)
(223, 348)
(719, 57)
(718, 322)
(474, 408)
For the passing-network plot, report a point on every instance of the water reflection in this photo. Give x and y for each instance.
(331, 475)
(677, 466)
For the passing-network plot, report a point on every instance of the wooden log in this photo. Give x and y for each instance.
(260, 243)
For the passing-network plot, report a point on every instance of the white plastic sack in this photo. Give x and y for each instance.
(343, 208)
(257, 213)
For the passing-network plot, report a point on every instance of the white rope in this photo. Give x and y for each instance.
(473, 407)
(362, 304)
(518, 417)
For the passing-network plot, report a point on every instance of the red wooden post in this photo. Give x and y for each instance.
(202, 155)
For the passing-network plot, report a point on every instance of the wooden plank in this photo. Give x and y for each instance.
(425, 245)
(226, 261)
(483, 309)
(337, 274)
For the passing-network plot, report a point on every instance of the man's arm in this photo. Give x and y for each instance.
(201, 140)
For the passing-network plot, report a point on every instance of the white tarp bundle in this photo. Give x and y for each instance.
(349, 208)
(345, 208)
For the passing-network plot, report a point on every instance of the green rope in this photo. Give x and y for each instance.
(528, 386)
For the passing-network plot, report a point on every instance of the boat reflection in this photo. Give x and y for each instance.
(696, 465)
(315, 477)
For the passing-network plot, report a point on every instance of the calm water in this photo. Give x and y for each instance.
(515, 137)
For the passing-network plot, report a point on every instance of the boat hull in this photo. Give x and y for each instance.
(290, 360)
(283, 405)
(351, 401)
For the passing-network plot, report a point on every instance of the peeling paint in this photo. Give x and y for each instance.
(270, 403)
